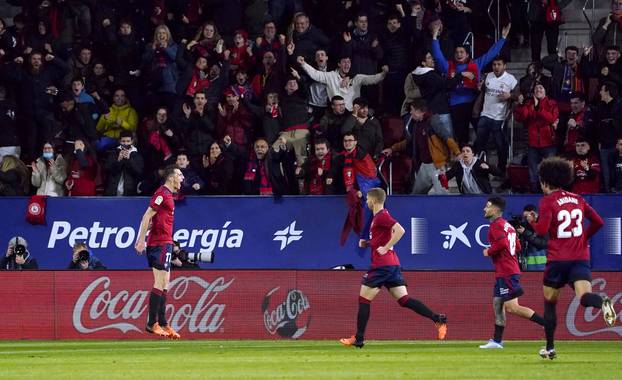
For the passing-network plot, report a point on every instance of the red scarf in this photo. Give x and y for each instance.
(316, 185)
(255, 167)
(353, 166)
(197, 84)
(471, 67)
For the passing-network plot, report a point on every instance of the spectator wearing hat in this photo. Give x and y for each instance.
(18, 256)
(235, 120)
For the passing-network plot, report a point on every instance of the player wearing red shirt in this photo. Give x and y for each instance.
(503, 248)
(561, 217)
(385, 270)
(159, 220)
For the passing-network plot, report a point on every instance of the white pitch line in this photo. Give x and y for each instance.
(19, 352)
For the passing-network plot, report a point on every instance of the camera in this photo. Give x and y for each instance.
(203, 256)
(84, 255)
(518, 221)
(19, 250)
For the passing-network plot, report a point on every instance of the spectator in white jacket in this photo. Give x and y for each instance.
(49, 173)
(339, 82)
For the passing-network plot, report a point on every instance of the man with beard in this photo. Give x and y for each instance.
(37, 83)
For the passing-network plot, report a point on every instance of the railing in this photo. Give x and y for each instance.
(589, 22)
(388, 182)
(492, 19)
(470, 37)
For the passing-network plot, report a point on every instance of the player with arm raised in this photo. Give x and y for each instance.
(385, 270)
(503, 247)
(568, 256)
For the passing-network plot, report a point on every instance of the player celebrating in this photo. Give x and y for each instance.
(503, 247)
(385, 270)
(159, 216)
(561, 216)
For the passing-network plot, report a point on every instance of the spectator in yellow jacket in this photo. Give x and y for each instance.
(120, 117)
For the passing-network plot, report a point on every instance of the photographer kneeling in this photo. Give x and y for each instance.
(533, 255)
(17, 256)
(83, 259)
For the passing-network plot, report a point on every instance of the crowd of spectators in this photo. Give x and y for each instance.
(282, 97)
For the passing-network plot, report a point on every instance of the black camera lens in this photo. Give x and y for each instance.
(20, 250)
(84, 255)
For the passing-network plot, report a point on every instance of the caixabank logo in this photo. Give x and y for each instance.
(287, 314)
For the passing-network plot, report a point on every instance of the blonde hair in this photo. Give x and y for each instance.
(378, 194)
(168, 33)
(10, 162)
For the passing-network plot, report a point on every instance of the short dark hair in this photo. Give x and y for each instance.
(77, 79)
(555, 172)
(465, 47)
(336, 97)
(467, 145)
(421, 56)
(348, 134)
(612, 47)
(571, 47)
(393, 16)
(361, 102)
(126, 133)
(322, 140)
(498, 202)
(578, 95)
(499, 58)
(418, 104)
(169, 171)
(611, 88)
(530, 208)
(359, 15)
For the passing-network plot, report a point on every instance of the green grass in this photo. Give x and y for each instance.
(381, 360)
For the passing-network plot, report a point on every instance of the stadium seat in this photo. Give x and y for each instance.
(392, 130)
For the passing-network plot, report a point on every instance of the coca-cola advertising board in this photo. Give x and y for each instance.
(277, 305)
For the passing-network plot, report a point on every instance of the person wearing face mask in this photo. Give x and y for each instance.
(586, 169)
(217, 171)
(82, 170)
(540, 115)
(49, 173)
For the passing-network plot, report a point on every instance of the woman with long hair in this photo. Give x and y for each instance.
(217, 171)
(49, 172)
(81, 170)
(13, 177)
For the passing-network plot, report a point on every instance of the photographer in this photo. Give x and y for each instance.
(17, 256)
(533, 255)
(180, 258)
(83, 259)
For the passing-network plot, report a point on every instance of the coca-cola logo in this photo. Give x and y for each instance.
(282, 317)
(98, 308)
(591, 314)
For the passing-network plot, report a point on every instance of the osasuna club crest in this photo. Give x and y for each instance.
(35, 209)
(282, 315)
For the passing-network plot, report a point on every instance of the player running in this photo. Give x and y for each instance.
(158, 219)
(385, 270)
(568, 257)
(503, 248)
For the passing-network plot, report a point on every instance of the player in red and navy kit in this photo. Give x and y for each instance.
(385, 271)
(568, 256)
(503, 248)
(158, 219)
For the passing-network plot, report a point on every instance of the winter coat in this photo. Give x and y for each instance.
(539, 121)
(108, 125)
(82, 175)
(199, 132)
(309, 41)
(368, 135)
(238, 125)
(50, 180)
(218, 176)
(479, 173)
(131, 170)
(434, 88)
(364, 57)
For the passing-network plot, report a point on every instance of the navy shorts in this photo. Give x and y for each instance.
(559, 273)
(389, 276)
(159, 256)
(508, 288)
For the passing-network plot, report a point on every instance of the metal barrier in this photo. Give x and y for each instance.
(589, 22)
(496, 24)
(470, 37)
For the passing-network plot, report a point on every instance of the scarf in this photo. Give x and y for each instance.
(316, 185)
(254, 167)
(469, 185)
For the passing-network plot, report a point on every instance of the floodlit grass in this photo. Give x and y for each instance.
(383, 360)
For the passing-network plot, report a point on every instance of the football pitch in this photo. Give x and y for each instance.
(385, 360)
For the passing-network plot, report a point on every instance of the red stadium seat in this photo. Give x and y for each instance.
(518, 177)
(402, 166)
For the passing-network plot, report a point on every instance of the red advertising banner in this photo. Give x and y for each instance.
(277, 305)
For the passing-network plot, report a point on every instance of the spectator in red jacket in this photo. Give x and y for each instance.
(586, 169)
(82, 169)
(235, 120)
(540, 115)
